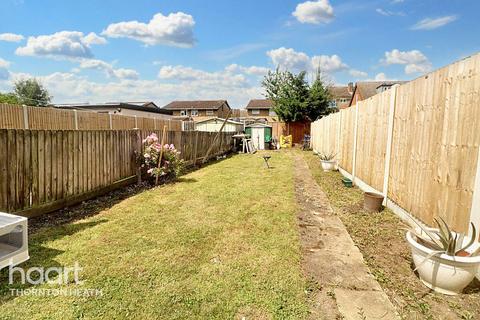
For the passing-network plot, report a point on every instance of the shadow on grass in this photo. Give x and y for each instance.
(40, 257)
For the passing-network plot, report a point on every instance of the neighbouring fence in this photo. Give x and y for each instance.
(296, 129)
(45, 170)
(417, 143)
(26, 117)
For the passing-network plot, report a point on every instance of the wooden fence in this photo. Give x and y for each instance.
(44, 170)
(26, 117)
(417, 143)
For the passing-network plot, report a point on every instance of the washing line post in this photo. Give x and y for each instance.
(388, 151)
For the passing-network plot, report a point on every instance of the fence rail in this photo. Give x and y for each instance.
(417, 143)
(44, 170)
(41, 118)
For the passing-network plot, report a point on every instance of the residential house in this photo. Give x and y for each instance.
(139, 109)
(366, 89)
(340, 96)
(199, 108)
(260, 108)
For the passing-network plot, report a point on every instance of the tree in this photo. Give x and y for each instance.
(9, 98)
(318, 98)
(31, 92)
(293, 98)
(289, 93)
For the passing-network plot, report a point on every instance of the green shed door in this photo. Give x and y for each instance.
(268, 134)
(248, 131)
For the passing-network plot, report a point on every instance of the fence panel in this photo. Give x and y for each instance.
(41, 118)
(372, 135)
(44, 170)
(435, 142)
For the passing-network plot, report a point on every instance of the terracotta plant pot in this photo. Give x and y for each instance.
(372, 202)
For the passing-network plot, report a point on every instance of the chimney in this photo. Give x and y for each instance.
(350, 87)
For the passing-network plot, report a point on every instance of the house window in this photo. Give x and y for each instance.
(183, 112)
(272, 113)
(333, 104)
(194, 113)
(255, 111)
(343, 100)
(209, 112)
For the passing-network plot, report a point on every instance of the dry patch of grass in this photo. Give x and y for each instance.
(220, 244)
(381, 239)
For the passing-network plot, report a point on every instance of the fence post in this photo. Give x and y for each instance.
(25, 117)
(75, 118)
(355, 131)
(388, 153)
(110, 121)
(475, 209)
(339, 129)
(139, 152)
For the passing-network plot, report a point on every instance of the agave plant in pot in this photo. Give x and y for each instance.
(446, 261)
(327, 161)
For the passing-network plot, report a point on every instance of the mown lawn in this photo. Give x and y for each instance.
(220, 244)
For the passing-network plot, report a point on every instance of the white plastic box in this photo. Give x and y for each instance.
(13, 240)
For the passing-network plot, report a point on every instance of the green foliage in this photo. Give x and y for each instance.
(294, 99)
(31, 92)
(9, 98)
(327, 156)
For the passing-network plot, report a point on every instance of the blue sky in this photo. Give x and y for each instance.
(99, 51)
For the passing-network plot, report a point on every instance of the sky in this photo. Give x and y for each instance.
(93, 51)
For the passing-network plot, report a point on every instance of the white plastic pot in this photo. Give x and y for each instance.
(328, 165)
(443, 273)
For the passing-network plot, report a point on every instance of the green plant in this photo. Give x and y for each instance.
(444, 241)
(171, 165)
(324, 156)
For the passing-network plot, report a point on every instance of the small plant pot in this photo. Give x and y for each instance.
(347, 182)
(443, 273)
(372, 202)
(328, 165)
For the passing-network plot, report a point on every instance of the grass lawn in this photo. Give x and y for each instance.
(381, 239)
(220, 244)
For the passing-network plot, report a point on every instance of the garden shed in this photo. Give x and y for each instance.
(260, 133)
(214, 125)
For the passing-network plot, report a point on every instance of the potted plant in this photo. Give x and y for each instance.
(328, 164)
(446, 261)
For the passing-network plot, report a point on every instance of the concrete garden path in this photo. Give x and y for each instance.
(330, 258)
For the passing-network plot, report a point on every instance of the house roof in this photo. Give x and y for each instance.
(196, 104)
(368, 89)
(260, 104)
(339, 92)
(138, 106)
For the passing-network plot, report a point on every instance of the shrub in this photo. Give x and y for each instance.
(171, 166)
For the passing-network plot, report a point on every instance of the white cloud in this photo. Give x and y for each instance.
(381, 77)
(176, 29)
(4, 73)
(314, 12)
(389, 13)
(252, 70)
(358, 74)
(109, 70)
(74, 88)
(430, 24)
(298, 61)
(11, 37)
(415, 61)
(63, 45)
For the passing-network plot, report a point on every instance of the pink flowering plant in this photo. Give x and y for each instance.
(171, 166)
